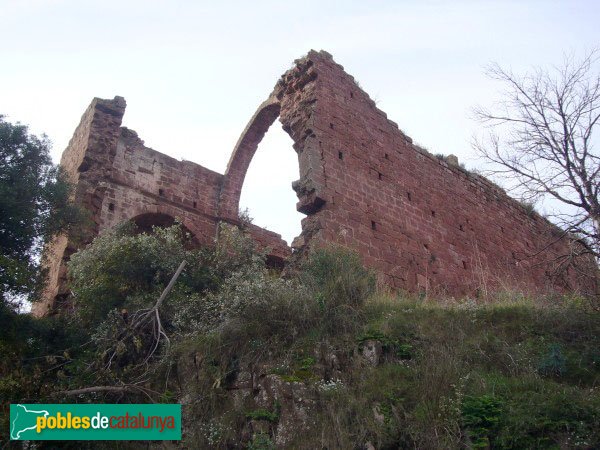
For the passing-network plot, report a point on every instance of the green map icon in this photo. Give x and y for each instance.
(24, 419)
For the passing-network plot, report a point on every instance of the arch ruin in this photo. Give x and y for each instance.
(421, 223)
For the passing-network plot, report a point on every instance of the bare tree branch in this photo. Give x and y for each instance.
(131, 388)
(541, 141)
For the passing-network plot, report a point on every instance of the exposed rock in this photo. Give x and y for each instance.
(452, 160)
(372, 351)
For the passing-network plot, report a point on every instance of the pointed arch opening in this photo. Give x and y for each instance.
(269, 189)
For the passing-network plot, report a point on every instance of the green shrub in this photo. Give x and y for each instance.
(539, 413)
(264, 310)
(389, 345)
(481, 417)
(529, 207)
(122, 269)
(340, 284)
(263, 414)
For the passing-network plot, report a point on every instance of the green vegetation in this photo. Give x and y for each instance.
(33, 207)
(265, 361)
(263, 414)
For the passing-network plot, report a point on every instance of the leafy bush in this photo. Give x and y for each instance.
(530, 412)
(481, 416)
(389, 345)
(36, 356)
(122, 269)
(263, 414)
(255, 311)
(341, 285)
(120, 276)
(263, 312)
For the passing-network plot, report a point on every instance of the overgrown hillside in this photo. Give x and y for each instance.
(317, 359)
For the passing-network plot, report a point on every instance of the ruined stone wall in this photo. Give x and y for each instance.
(421, 222)
(144, 181)
(117, 179)
(86, 161)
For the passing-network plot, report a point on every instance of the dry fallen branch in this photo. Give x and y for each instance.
(148, 318)
(126, 388)
(139, 321)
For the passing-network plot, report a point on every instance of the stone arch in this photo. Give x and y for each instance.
(145, 222)
(243, 152)
(163, 215)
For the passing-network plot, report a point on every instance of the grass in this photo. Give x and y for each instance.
(511, 374)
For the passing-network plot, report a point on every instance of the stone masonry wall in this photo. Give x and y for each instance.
(421, 222)
(117, 178)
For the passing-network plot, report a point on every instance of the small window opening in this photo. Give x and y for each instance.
(409, 196)
(380, 175)
(195, 204)
(331, 126)
(373, 225)
(340, 155)
(461, 227)
(387, 156)
(111, 206)
(432, 213)
(464, 265)
(351, 94)
(161, 192)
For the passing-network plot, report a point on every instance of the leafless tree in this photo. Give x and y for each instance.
(541, 140)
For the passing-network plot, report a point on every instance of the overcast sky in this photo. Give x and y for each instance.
(194, 72)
